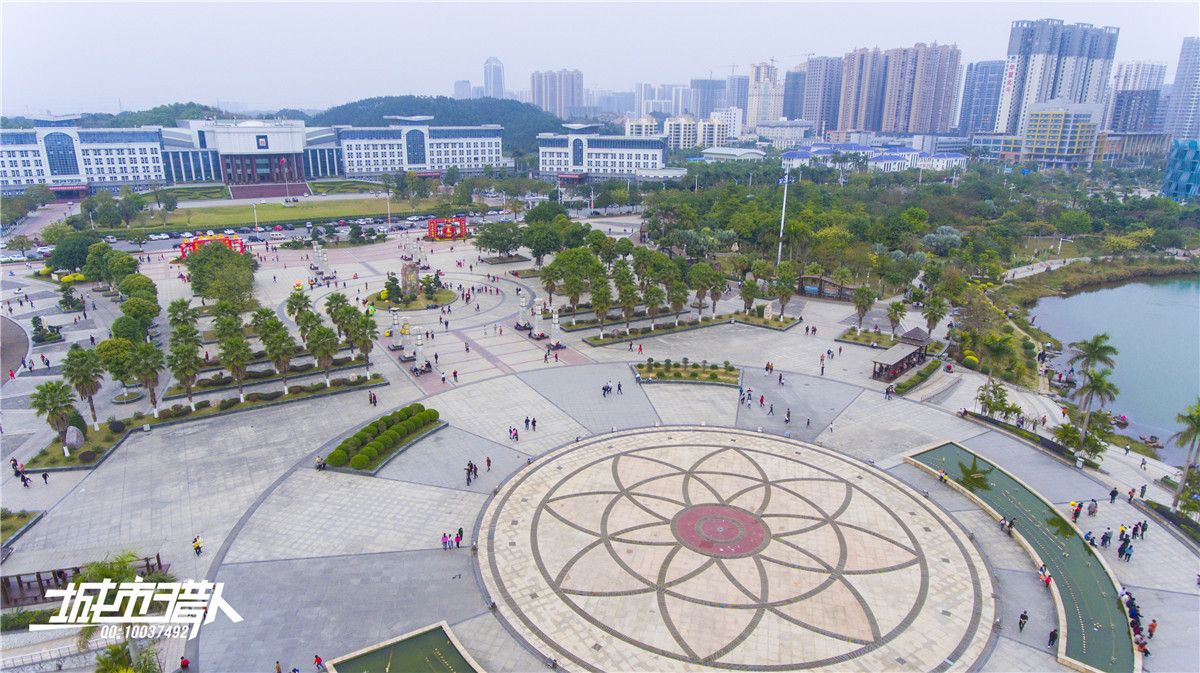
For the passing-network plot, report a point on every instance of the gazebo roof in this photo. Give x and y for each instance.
(895, 355)
(915, 336)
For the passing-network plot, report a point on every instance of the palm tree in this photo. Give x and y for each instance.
(180, 313)
(934, 310)
(323, 344)
(1094, 352)
(145, 362)
(306, 321)
(363, 333)
(84, 371)
(677, 294)
(627, 297)
(601, 299)
(895, 313)
(260, 320)
(864, 299)
(226, 326)
(1098, 387)
(343, 319)
(654, 298)
(184, 361)
(54, 401)
(1189, 435)
(281, 348)
(550, 277)
(297, 302)
(235, 357)
(335, 301)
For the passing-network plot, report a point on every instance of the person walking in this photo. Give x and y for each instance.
(1053, 638)
(1022, 620)
(318, 662)
(1128, 552)
(1112, 495)
(489, 463)
(534, 424)
(771, 411)
(1142, 492)
(46, 478)
(1151, 628)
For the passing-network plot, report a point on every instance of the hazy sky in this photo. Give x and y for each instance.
(94, 56)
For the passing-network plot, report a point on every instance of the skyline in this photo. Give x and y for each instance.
(372, 63)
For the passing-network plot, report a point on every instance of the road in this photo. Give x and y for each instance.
(32, 226)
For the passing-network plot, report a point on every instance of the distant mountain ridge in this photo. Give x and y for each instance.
(521, 121)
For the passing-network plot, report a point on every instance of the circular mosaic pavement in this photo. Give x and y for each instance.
(680, 549)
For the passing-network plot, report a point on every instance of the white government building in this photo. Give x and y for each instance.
(75, 161)
(581, 154)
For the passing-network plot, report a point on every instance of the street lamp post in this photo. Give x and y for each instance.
(783, 212)
(389, 208)
(254, 207)
(395, 324)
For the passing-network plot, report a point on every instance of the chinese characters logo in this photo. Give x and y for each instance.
(139, 602)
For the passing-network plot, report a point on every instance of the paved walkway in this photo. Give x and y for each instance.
(329, 563)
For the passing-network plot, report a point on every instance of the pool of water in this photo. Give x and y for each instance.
(428, 652)
(1156, 326)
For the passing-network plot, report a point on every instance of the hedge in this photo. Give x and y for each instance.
(379, 438)
(1183, 523)
(918, 378)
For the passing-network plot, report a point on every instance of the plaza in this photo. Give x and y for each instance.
(670, 526)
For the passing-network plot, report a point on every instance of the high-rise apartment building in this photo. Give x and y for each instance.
(737, 91)
(493, 78)
(980, 96)
(462, 89)
(557, 91)
(707, 95)
(920, 89)
(732, 119)
(1048, 60)
(642, 127)
(1183, 117)
(1135, 95)
(793, 91)
(822, 92)
(861, 102)
(765, 102)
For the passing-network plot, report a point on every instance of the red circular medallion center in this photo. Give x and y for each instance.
(720, 530)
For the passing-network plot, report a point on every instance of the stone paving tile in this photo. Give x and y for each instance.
(693, 403)
(488, 408)
(1174, 645)
(578, 392)
(811, 398)
(1010, 656)
(328, 513)
(441, 458)
(333, 606)
(492, 647)
(1036, 468)
(873, 428)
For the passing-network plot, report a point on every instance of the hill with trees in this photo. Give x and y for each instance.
(521, 121)
(163, 115)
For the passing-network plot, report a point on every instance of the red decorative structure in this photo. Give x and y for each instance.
(448, 229)
(192, 244)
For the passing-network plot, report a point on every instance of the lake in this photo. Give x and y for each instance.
(1156, 326)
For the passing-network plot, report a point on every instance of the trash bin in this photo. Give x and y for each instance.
(1079, 462)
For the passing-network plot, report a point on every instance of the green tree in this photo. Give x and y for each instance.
(39, 195)
(748, 292)
(54, 401)
(451, 176)
(137, 285)
(705, 280)
(181, 313)
(550, 277)
(145, 363)
(53, 233)
(363, 333)
(129, 205)
(324, 346)
(296, 303)
(226, 326)
(128, 328)
(842, 276)
(236, 356)
(1187, 494)
(333, 305)
(1097, 388)
(602, 299)
(281, 348)
(628, 298)
(864, 299)
(895, 313)
(307, 321)
(119, 264)
(263, 321)
(786, 278)
(183, 359)
(762, 270)
(220, 273)
(141, 310)
(20, 242)
(1094, 353)
(71, 252)
(115, 354)
(934, 310)
(576, 266)
(542, 238)
(677, 294)
(503, 238)
(653, 296)
(83, 369)
(94, 266)
(814, 269)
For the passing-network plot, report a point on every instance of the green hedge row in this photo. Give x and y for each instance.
(918, 378)
(379, 438)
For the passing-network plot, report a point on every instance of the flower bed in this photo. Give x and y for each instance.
(666, 370)
(97, 444)
(379, 439)
(526, 273)
(441, 297)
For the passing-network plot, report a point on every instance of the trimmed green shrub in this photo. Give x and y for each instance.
(203, 404)
(116, 426)
(369, 452)
(228, 403)
(359, 462)
(87, 456)
(337, 458)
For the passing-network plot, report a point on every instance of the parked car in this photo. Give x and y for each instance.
(174, 234)
(11, 258)
(254, 238)
(277, 236)
(278, 227)
(110, 239)
(186, 234)
(210, 232)
(259, 229)
(243, 230)
(46, 249)
(289, 227)
(229, 232)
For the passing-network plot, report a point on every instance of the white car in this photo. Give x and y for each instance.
(11, 258)
(110, 239)
(229, 232)
(210, 232)
(186, 234)
(46, 249)
(158, 237)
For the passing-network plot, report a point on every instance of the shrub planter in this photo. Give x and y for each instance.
(439, 425)
(128, 397)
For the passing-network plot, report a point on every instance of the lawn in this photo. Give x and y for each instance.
(11, 522)
(440, 297)
(197, 193)
(689, 371)
(1039, 247)
(308, 209)
(867, 337)
(344, 187)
